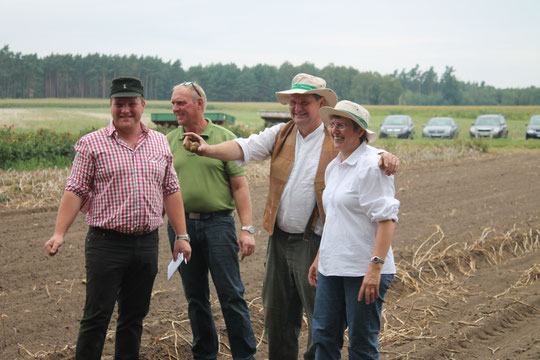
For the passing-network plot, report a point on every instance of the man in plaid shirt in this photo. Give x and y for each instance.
(122, 177)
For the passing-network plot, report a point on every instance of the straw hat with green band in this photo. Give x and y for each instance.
(307, 84)
(349, 110)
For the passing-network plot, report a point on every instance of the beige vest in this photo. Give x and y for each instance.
(280, 169)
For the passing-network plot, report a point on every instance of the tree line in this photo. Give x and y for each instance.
(27, 76)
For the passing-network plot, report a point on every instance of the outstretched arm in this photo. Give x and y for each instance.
(225, 151)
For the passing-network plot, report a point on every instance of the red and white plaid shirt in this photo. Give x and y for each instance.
(123, 188)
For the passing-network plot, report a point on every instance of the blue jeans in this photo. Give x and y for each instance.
(215, 248)
(118, 267)
(336, 307)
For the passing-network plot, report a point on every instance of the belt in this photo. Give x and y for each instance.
(204, 216)
(111, 231)
(288, 233)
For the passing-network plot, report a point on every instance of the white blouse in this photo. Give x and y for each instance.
(358, 195)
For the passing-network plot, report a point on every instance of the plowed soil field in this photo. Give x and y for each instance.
(467, 247)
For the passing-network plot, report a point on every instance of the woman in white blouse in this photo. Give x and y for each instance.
(355, 263)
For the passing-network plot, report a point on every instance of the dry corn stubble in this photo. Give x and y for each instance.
(412, 322)
(431, 275)
(44, 188)
(32, 189)
(41, 188)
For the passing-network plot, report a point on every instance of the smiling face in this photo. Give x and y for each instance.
(126, 113)
(345, 134)
(187, 110)
(304, 109)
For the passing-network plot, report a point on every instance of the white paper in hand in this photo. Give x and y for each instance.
(174, 265)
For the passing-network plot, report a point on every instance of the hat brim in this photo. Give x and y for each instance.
(126, 94)
(328, 94)
(327, 112)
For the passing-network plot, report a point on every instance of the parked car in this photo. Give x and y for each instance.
(489, 125)
(400, 126)
(533, 128)
(441, 127)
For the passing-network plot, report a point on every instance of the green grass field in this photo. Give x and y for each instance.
(75, 115)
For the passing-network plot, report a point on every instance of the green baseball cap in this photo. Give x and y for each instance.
(126, 87)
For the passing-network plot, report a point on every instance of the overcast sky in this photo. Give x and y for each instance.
(496, 41)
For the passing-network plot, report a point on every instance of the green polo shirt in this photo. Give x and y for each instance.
(204, 182)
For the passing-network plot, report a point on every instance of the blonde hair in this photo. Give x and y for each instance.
(197, 91)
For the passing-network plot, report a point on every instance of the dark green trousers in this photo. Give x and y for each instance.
(287, 293)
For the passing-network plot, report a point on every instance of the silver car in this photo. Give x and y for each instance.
(533, 128)
(398, 126)
(489, 125)
(441, 127)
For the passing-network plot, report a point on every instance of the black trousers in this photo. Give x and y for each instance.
(118, 267)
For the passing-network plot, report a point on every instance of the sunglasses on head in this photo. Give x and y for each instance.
(187, 83)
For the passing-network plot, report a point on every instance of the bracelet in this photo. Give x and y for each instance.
(183, 237)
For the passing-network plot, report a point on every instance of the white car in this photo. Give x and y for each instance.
(441, 127)
(398, 126)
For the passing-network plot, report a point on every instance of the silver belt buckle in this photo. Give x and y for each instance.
(195, 216)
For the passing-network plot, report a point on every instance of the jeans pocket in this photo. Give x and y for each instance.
(386, 280)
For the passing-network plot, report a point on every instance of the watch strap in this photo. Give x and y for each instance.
(183, 237)
(250, 229)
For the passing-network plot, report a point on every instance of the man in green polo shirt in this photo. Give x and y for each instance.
(210, 189)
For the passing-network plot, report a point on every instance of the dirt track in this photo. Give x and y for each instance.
(475, 299)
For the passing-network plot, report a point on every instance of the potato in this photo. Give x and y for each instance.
(191, 146)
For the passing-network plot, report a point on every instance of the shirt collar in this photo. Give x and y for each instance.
(315, 134)
(111, 130)
(205, 134)
(356, 154)
(208, 131)
(319, 130)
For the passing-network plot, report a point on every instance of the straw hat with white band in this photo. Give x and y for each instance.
(349, 110)
(307, 84)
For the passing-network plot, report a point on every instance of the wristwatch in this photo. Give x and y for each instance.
(183, 237)
(250, 229)
(377, 260)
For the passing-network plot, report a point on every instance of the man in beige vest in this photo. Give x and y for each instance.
(300, 150)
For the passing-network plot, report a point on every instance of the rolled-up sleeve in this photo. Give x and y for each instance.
(377, 195)
(170, 180)
(258, 147)
(80, 180)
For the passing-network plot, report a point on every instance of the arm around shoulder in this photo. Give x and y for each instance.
(388, 162)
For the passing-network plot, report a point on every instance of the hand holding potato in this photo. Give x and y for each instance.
(191, 146)
(194, 143)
